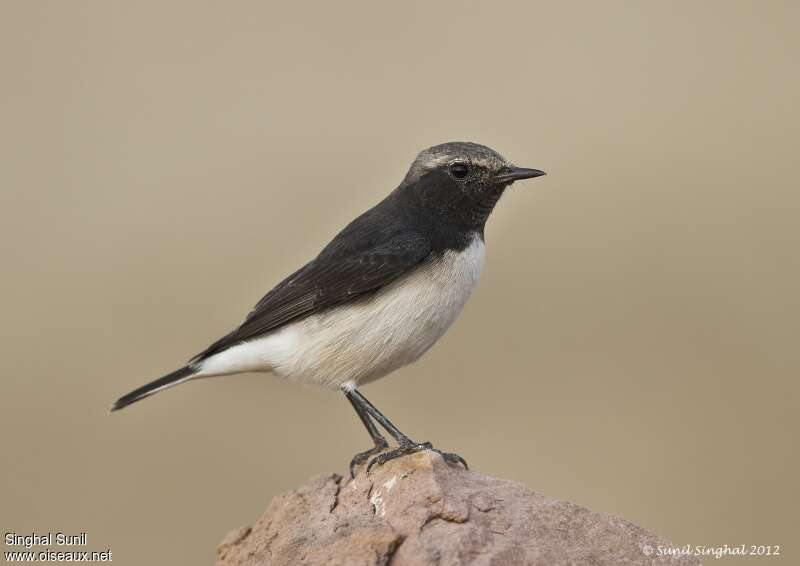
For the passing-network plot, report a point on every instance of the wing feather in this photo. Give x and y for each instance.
(339, 274)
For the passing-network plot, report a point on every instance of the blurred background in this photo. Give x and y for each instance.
(632, 345)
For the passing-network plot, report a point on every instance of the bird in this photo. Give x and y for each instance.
(377, 297)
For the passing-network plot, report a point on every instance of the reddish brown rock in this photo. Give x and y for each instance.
(418, 511)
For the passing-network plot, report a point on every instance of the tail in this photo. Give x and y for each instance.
(174, 378)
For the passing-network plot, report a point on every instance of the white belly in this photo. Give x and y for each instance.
(368, 338)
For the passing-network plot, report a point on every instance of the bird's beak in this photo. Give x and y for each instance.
(509, 174)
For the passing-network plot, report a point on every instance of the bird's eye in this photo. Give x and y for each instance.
(459, 170)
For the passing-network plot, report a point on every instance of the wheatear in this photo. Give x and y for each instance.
(378, 296)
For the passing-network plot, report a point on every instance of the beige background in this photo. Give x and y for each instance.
(632, 345)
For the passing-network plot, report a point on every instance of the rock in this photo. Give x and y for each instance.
(417, 510)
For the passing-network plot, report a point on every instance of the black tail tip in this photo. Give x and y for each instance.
(168, 380)
(122, 402)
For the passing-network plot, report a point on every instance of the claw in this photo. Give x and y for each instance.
(412, 448)
(452, 458)
(362, 457)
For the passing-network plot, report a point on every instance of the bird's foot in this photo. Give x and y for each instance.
(411, 448)
(362, 457)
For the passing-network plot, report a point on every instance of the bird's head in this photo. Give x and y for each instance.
(461, 181)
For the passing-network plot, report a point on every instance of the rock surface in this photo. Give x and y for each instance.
(417, 510)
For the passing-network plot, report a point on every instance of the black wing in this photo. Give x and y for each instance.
(357, 262)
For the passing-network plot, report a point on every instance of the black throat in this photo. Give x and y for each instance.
(449, 213)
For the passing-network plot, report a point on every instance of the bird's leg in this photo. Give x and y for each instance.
(365, 409)
(377, 437)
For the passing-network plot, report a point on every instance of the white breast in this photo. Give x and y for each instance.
(368, 338)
